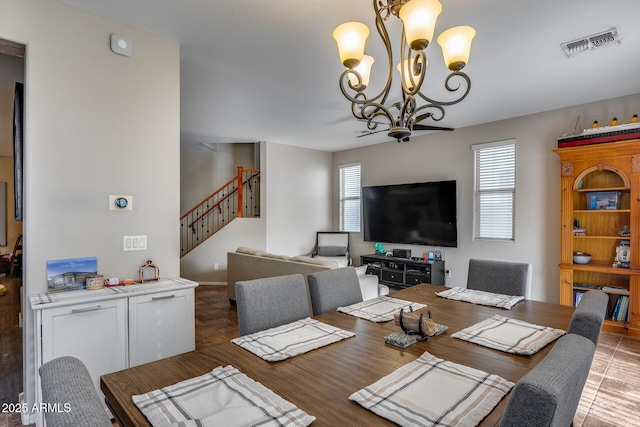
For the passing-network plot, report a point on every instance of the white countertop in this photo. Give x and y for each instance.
(63, 298)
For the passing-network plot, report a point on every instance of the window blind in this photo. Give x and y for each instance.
(495, 187)
(350, 198)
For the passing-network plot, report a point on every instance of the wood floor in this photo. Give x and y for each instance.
(10, 347)
(611, 396)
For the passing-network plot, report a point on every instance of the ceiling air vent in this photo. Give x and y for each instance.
(591, 42)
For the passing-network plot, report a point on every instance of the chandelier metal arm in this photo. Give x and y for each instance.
(371, 110)
(360, 101)
(429, 115)
(450, 88)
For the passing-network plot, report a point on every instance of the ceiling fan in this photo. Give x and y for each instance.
(372, 124)
(417, 127)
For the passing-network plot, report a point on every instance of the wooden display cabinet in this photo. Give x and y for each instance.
(610, 167)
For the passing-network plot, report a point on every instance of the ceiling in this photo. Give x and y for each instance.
(255, 70)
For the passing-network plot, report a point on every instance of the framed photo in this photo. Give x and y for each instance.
(70, 274)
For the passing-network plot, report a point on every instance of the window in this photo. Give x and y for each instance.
(350, 198)
(495, 188)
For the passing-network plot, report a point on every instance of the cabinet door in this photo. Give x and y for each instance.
(161, 325)
(417, 277)
(393, 276)
(94, 332)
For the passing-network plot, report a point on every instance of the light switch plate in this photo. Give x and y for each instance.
(134, 243)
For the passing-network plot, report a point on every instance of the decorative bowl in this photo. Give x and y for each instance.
(581, 257)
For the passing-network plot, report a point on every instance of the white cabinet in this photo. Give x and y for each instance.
(94, 332)
(161, 325)
(114, 329)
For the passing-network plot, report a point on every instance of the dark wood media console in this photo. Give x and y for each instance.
(403, 272)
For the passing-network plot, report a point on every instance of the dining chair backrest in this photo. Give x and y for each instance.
(589, 316)
(66, 381)
(549, 394)
(500, 277)
(270, 302)
(334, 288)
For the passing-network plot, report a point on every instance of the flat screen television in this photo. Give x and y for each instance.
(422, 213)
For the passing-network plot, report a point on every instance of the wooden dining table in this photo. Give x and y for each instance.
(320, 382)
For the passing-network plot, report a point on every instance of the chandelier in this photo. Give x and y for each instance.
(419, 21)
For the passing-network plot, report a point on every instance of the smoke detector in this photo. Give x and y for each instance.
(593, 41)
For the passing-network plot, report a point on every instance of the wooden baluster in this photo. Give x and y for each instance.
(239, 183)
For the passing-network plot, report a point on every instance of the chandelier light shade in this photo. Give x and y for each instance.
(410, 72)
(456, 46)
(351, 38)
(419, 19)
(364, 69)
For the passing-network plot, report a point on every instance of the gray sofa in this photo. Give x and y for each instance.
(249, 264)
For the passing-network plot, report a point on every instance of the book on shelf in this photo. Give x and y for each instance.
(612, 288)
(616, 309)
(578, 297)
(621, 309)
(624, 308)
(586, 285)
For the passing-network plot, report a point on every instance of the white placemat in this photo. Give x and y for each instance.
(434, 392)
(509, 335)
(380, 309)
(292, 339)
(481, 297)
(223, 397)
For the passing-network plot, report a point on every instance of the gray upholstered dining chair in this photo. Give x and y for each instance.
(270, 302)
(549, 394)
(335, 288)
(589, 316)
(66, 381)
(500, 277)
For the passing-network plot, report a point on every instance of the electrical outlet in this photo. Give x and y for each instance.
(215, 265)
(447, 273)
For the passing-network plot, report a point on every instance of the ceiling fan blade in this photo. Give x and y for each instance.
(365, 133)
(429, 127)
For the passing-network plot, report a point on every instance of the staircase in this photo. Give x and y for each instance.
(240, 197)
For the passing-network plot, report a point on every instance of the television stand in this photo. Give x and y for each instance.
(403, 272)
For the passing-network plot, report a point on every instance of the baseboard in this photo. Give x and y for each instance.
(27, 417)
(213, 283)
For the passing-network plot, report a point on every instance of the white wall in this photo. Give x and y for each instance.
(298, 197)
(96, 123)
(447, 155)
(203, 172)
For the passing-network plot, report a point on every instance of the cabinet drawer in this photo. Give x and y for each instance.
(418, 277)
(394, 276)
(376, 271)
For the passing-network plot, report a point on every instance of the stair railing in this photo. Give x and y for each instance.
(239, 197)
